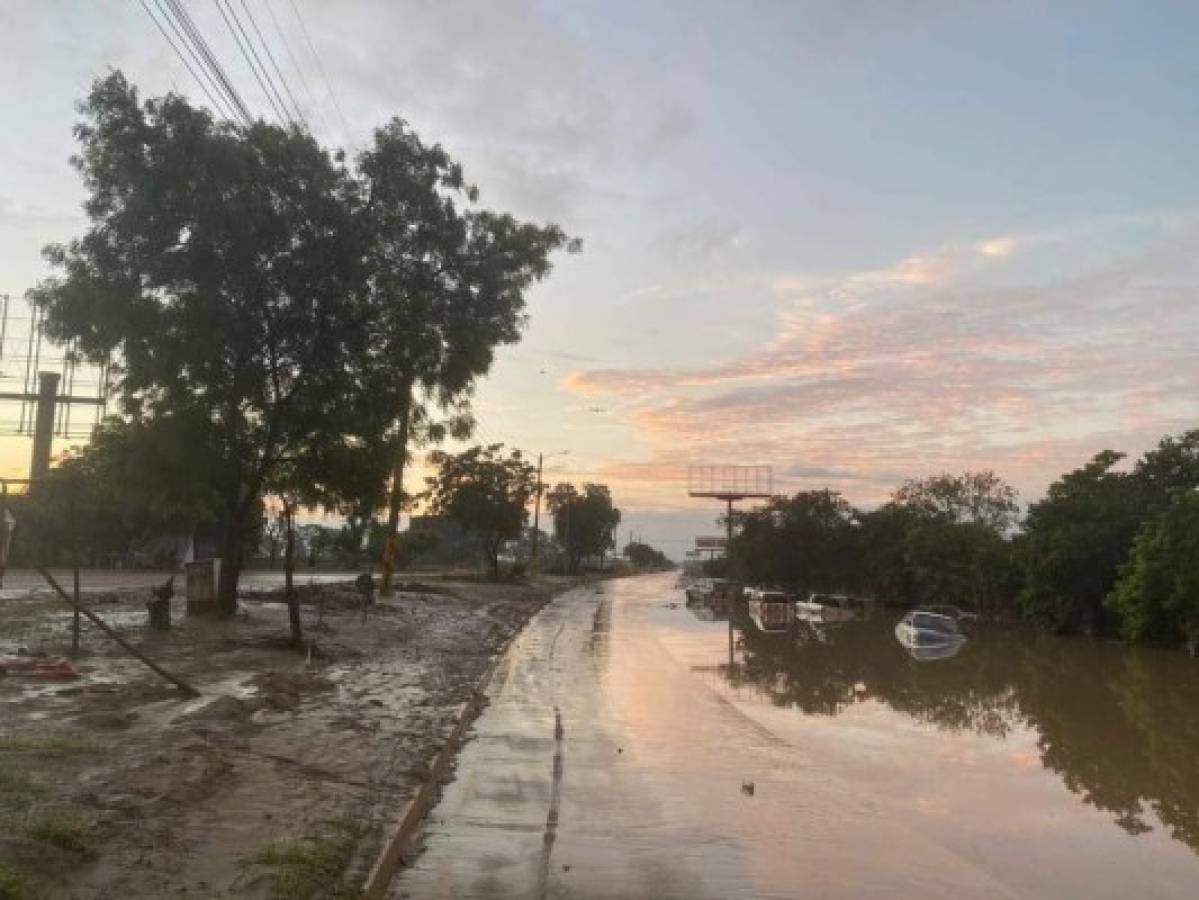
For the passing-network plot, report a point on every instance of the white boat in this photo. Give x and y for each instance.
(825, 608)
(929, 635)
(769, 610)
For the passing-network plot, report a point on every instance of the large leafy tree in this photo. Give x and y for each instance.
(219, 269)
(977, 498)
(447, 281)
(486, 491)
(1157, 596)
(1075, 541)
(805, 542)
(584, 521)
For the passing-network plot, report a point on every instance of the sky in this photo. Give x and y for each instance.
(857, 242)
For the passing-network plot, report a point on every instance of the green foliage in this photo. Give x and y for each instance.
(13, 885)
(486, 492)
(61, 831)
(1157, 595)
(285, 306)
(805, 542)
(314, 867)
(134, 479)
(49, 744)
(975, 498)
(584, 522)
(643, 556)
(1075, 541)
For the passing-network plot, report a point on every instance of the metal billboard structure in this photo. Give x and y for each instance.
(41, 384)
(730, 484)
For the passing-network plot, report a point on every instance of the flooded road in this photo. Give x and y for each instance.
(632, 750)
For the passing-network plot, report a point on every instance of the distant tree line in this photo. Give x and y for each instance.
(1107, 551)
(643, 556)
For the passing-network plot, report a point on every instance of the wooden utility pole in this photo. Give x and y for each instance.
(537, 513)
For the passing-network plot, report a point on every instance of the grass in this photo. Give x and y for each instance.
(13, 885)
(51, 744)
(313, 868)
(61, 831)
(18, 791)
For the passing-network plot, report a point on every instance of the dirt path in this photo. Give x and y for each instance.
(278, 781)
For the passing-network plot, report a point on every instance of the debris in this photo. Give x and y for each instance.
(38, 667)
(747, 788)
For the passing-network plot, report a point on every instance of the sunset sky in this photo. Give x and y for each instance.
(856, 241)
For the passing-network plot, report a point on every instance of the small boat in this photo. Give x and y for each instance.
(961, 616)
(770, 610)
(929, 635)
(825, 608)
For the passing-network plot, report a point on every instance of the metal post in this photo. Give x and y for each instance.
(43, 429)
(75, 617)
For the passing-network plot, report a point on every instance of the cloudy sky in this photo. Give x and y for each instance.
(855, 241)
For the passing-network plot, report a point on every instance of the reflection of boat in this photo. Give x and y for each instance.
(769, 610)
(936, 651)
(929, 635)
(825, 608)
(718, 593)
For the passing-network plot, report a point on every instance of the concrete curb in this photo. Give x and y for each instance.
(379, 878)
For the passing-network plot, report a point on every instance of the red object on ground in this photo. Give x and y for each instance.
(38, 667)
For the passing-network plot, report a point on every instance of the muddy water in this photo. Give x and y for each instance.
(632, 749)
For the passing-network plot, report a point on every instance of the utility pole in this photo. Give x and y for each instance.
(537, 503)
(537, 512)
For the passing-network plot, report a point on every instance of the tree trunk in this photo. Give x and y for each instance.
(397, 498)
(289, 567)
(231, 559)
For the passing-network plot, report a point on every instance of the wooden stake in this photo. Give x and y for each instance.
(129, 648)
(75, 617)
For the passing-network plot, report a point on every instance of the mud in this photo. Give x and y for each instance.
(279, 780)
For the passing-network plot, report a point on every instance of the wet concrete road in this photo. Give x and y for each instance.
(613, 760)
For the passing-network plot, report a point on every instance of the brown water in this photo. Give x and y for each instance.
(625, 733)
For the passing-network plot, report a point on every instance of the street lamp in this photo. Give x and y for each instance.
(537, 506)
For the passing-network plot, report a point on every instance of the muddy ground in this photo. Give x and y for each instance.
(278, 781)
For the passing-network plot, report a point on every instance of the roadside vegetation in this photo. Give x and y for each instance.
(283, 326)
(1110, 550)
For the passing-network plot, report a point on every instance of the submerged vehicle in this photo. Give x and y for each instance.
(718, 593)
(825, 608)
(929, 635)
(770, 610)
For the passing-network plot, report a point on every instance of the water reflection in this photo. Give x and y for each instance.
(1119, 725)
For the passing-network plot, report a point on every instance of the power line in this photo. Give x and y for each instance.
(271, 57)
(295, 64)
(250, 55)
(212, 64)
(321, 68)
(224, 113)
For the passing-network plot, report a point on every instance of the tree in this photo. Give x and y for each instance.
(643, 556)
(1157, 595)
(584, 522)
(978, 498)
(135, 479)
(486, 492)
(1075, 541)
(1171, 468)
(446, 283)
(220, 269)
(805, 542)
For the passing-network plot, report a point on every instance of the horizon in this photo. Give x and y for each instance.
(857, 248)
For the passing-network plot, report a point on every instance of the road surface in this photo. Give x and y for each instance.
(615, 760)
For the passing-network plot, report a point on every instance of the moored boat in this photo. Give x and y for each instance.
(770, 610)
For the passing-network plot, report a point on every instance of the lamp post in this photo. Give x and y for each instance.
(537, 505)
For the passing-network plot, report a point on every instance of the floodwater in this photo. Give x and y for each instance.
(632, 749)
